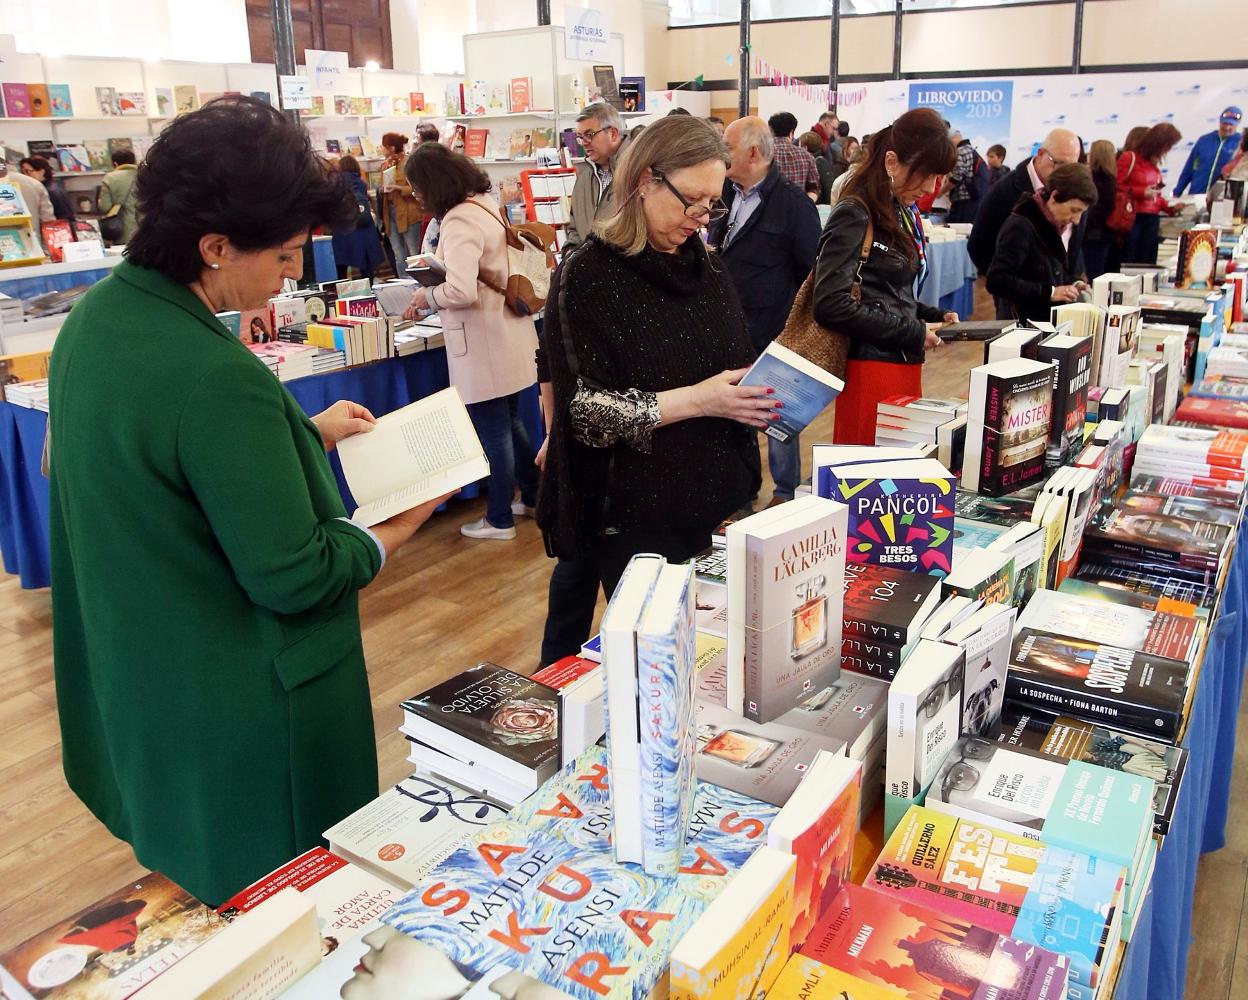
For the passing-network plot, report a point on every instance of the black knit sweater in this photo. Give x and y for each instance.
(648, 322)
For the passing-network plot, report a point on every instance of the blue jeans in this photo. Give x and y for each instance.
(506, 444)
(784, 459)
(405, 244)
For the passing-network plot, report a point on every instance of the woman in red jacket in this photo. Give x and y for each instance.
(1139, 173)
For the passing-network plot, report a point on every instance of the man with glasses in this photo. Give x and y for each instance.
(600, 131)
(1060, 146)
(767, 240)
(1211, 153)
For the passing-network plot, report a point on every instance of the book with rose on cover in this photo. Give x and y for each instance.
(492, 716)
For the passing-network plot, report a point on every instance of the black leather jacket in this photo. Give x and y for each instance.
(888, 324)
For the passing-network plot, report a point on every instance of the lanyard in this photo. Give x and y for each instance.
(1213, 168)
(913, 225)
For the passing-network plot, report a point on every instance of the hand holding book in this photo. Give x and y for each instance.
(341, 420)
(720, 396)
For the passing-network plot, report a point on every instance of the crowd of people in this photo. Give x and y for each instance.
(687, 246)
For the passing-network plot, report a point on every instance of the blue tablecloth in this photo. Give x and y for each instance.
(17, 287)
(949, 271)
(24, 492)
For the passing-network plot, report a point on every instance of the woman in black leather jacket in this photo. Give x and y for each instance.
(1032, 270)
(886, 326)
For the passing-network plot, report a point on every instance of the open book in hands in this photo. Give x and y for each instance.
(425, 450)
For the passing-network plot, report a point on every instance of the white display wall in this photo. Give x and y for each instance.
(1093, 105)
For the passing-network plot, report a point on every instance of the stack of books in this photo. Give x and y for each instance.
(885, 611)
(287, 361)
(1008, 425)
(32, 394)
(911, 420)
(1203, 457)
(487, 729)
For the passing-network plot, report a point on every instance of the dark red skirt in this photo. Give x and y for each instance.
(866, 383)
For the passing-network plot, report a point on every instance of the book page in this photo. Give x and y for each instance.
(419, 492)
(414, 452)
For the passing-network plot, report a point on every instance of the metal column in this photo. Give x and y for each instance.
(897, 41)
(283, 43)
(1076, 58)
(543, 12)
(743, 62)
(835, 59)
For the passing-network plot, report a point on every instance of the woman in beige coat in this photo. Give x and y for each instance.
(489, 349)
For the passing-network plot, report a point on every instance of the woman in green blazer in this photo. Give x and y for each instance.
(210, 677)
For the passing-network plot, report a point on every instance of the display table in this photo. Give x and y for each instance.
(382, 387)
(27, 282)
(951, 277)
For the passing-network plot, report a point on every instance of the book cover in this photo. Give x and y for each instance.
(1155, 579)
(1071, 358)
(416, 102)
(765, 761)
(520, 145)
(97, 153)
(131, 102)
(1196, 446)
(185, 97)
(886, 604)
(1094, 743)
(475, 141)
(1128, 532)
(809, 979)
(665, 713)
(73, 159)
(985, 639)
(355, 145)
(1221, 411)
(59, 100)
(1064, 803)
(1007, 510)
(805, 389)
(1061, 900)
(606, 86)
(1191, 508)
(924, 718)
(784, 605)
(570, 917)
(521, 93)
(741, 941)
(106, 101)
(1216, 386)
(1154, 632)
(360, 105)
(1117, 595)
(925, 954)
(410, 828)
(1008, 422)
(817, 826)
(1124, 688)
(56, 234)
(900, 513)
(116, 946)
(17, 100)
(165, 105)
(633, 93)
(120, 143)
(40, 102)
(853, 709)
(348, 899)
(506, 714)
(1196, 264)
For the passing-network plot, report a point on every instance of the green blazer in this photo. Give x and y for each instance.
(210, 678)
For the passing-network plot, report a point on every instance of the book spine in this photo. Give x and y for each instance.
(1052, 697)
(899, 754)
(752, 699)
(869, 668)
(868, 631)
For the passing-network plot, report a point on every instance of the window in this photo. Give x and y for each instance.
(690, 12)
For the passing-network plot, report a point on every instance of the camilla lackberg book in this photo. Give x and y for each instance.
(492, 716)
(1066, 901)
(924, 954)
(1124, 688)
(900, 513)
(785, 591)
(1007, 433)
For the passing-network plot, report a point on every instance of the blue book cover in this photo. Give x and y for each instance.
(567, 916)
(60, 100)
(805, 389)
(724, 828)
(666, 677)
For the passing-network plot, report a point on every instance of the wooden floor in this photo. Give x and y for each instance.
(441, 604)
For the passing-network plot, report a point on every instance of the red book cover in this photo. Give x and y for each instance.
(563, 672)
(474, 143)
(364, 306)
(1221, 412)
(521, 87)
(55, 235)
(416, 102)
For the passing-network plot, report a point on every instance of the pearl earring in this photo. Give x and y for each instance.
(215, 267)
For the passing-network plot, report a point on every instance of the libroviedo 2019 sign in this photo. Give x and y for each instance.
(979, 109)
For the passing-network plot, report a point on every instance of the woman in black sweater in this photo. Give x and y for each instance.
(1099, 247)
(1032, 269)
(652, 441)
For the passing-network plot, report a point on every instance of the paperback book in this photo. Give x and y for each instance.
(984, 638)
(1071, 358)
(1009, 413)
(581, 702)
(804, 388)
(1132, 534)
(1156, 632)
(1123, 688)
(925, 954)
(853, 709)
(1051, 897)
(810, 979)
(888, 605)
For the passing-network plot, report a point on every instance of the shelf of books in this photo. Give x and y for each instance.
(953, 722)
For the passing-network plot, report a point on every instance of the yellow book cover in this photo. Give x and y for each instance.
(808, 979)
(321, 334)
(23, 368)
(739, 945)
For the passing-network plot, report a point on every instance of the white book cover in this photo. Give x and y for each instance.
(416, 454)
(985, 639)
(794, 572)
(619, 660)
(924, 716)
(405, 832)
(805, 389)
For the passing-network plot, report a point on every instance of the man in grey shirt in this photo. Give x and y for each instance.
(600, 131)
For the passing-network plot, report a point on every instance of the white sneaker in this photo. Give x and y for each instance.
(483, 529)
(520, 509)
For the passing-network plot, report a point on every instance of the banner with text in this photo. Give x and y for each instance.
(979, 109)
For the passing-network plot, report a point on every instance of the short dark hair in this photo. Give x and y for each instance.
(39, 163)
(679, 111)
(715, 120)
(1071, 181)
(121, 156)
(997, 148)
(238, 167)
(782, 124)
(348, 164)
(443, 178)
(427, 132)
(842, 128)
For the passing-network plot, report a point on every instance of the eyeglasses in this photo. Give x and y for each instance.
(695, 210)
(943, 691)
(585, 138)
(960, 774)
(1053, 159)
